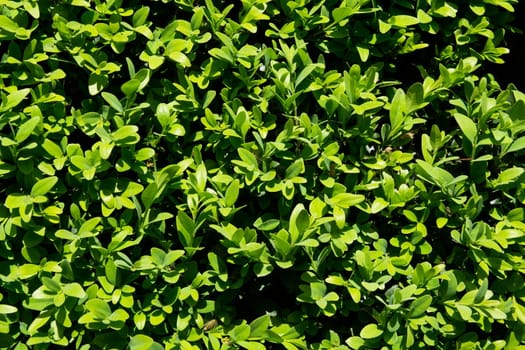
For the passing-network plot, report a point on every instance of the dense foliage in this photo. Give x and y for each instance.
(257, 174)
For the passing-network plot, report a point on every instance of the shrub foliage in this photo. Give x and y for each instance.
(256, 174)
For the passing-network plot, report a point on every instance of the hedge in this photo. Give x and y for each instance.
(256, 174)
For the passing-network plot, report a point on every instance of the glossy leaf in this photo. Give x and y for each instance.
(468, 127)
(186, 229)
(370, 331)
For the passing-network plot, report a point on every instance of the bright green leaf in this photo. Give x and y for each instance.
(370, 331)
(468, 127)
(113, 101)
(346, 200)
(43, 186)
(26, 129)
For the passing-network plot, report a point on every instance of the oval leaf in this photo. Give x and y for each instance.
(370, 331)
(43, 186)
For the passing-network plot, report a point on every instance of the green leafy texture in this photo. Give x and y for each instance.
(261, 174)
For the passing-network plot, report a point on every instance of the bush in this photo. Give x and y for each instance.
(187, 174)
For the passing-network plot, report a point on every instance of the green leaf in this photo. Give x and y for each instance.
(150, 193)
(186, 229)
(43, 186)
(347, 200)
(99, 308)
(52, 148)
(179, 57)
(88, 227)
(251, 345)
(38, 323)
(295, 169)
(341, 13)
(370, 331)
(157, 255)
(306, 72)
(143, 342)
(140, 320)
(51, 285)
(8, 25)
(419, 306)
(508, 176)
(482, 291)
(464, 311)
(111, 272)
(517, 145)
(363, 51)
(201, 177)
(140, 16)
(97, 83)
(232, 193)
(361, 109)
(24, 203)
(339, 216)
(130, 87)
(267, 225)
(26, 129)
(415, 97)
(248, 157)
(196, 19)
(299, 222)
(113, 101)
(118, 315)
(163, 115)
(317, 290)
(259, 326)
(14, 98)
(355, 342)
(403, 21)
(7, 309)
(239, 333)
(441, 222)
(222, 54)
(171, 257)
(433, 174)
(378, 205)
(144, 154)
(27, 271)
(74, 290)
(126, 135)
(397, 111)
(468, 127)
(448, 287)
